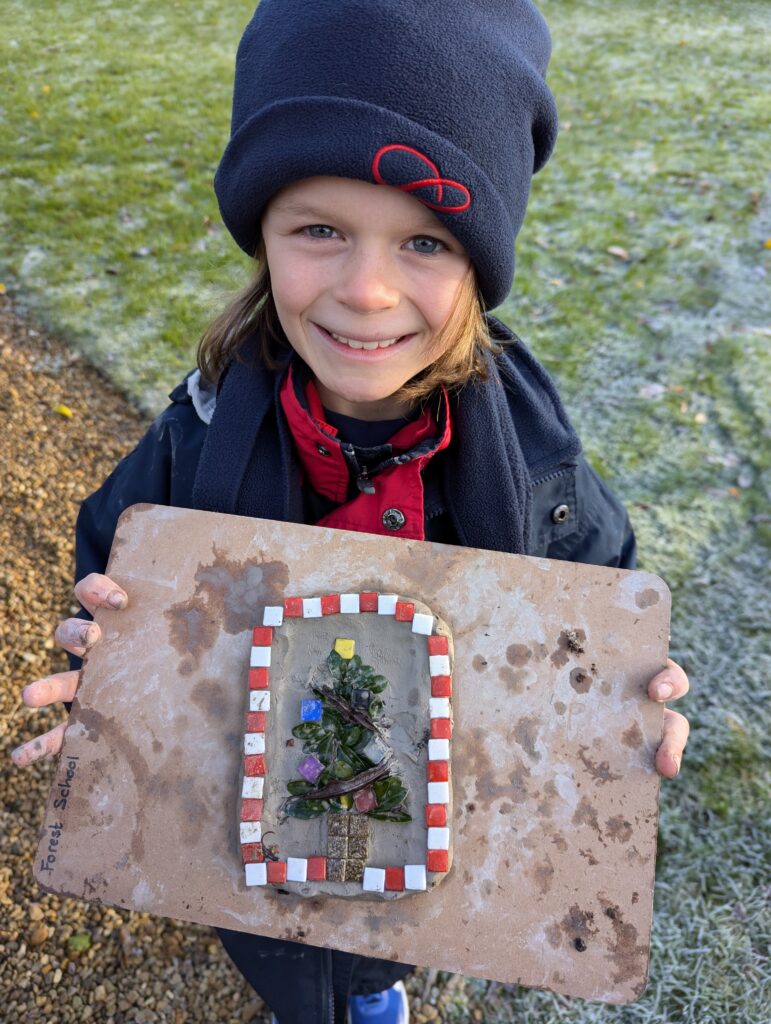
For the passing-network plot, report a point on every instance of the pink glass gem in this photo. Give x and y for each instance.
(310, 768)
(365, 800)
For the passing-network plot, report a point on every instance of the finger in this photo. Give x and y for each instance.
(77, 635)
(47, 745)
(98, 591)
(673, 741)
(51, 689)
(669, 684)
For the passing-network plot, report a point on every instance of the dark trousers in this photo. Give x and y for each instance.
(307, 984)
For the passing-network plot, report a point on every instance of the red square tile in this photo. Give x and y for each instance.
(255, 721)
(251, 810)
(436, 860)
(405, 611)
(438, 771)
(262, 636)
(276, 870)
(436, 815)
(293, 607)
(441, 686)
(254, 764)
(330, 604)
(251, 853)
(317, 869)
(394, 879)
(441, 729)
(259, 679)
(438, 645)
(368, 602)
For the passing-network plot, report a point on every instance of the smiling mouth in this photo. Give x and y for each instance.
(355, 343)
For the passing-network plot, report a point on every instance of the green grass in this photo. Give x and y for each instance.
(110, 236)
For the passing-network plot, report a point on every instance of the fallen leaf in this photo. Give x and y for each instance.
(64, 410)
(699, 418)
(79, 943)
(46, 89)
(767, 244)
(618, 251)
(2, 288)
(677, 388)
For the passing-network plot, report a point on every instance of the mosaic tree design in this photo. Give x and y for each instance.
(348, 771)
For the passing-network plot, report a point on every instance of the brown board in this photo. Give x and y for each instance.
(554, 790)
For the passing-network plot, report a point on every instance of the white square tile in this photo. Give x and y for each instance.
(438, 750)
(311, 607)
(251, 831)
(349, 603)
(422, 623)
(296, 869)
(386, 604)
(254, 743)
(260, 657)
(252, 787)
(374, 880)
(256, 874)
(259, 700)
(273, 615)
(439, 839)
(439, 792)
(439, 707)
(439, 664)
(415, 876)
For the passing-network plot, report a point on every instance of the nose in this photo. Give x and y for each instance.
(367, 281)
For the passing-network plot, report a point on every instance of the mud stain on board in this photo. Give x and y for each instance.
(646, 598)
(123, 750)
(633, 737)
(210, 696)
(570, 642)
(554, 936)
(518, 654)
(578, 927)
(586, 814)
(479, 663)
(513, 678)
(599, 771)
(580, 680)
(618, 829)
(227, 596)
(627, 956)
(548, 796)
(543, 874)
(525, 733)
(490, 785)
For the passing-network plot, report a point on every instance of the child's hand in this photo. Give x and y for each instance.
(76, 636)
(669, 684)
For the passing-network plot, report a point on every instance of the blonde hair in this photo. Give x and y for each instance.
(461, 343)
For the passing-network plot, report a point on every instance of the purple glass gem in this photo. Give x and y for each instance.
(310, 768)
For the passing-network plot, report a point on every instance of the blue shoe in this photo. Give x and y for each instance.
(389, 1007)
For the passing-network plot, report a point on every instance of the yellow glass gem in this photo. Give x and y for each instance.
(346, 800)
(345, 648)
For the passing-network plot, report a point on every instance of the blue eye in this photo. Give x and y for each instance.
(324, 227)
(431, 241)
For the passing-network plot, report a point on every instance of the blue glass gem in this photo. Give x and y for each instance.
(311, 711)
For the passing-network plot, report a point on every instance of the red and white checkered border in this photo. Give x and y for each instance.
(400, 878)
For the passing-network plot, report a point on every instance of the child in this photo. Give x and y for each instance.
(378, 169)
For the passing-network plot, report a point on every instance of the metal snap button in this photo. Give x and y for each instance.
(393, 519)
(322, 450)
(560, 514)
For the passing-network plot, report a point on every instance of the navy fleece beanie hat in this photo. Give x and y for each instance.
(444, 99)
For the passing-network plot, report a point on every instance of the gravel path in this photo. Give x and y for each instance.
(62, 960)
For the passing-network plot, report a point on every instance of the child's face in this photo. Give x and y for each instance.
(371, 264)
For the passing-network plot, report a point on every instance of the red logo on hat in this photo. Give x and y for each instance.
(436, 181)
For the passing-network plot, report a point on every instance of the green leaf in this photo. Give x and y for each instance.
(352, 735)
(306, 731)
(306, 809)
(342, 770)
(377, 684)
(79, 943)
(298, 786)
(394, 816)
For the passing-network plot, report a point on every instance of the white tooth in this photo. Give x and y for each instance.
(370, 345)
(387, 344)
(354, 344)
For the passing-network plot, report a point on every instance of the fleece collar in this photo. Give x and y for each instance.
(388, 478)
